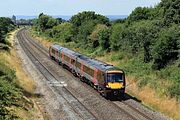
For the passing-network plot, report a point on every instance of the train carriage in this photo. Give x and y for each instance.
(69, 58)
(106, 78)
(54, 52)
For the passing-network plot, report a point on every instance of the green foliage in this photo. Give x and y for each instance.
(84, 23)
(148, 38)
(63, 31)
(94, 35)
(82, 17)
(116, 38)
(6, 25)
(144, 81)
(166, 48)
(146, 33)
(174, 90)
(10, 94)
(6, 72)
(45, 22)
(103, 36)
(118, 56)
(170, 11)
(84, 31)
(139, 14)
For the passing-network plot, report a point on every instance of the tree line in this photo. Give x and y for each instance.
(11, 95)
(151, 33)
(6, 25)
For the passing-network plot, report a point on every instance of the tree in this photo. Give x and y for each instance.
(51, 23)
(84, 23)
(63, 31)
(170, 11)
(116, 38)
(140, 37)
(94, 35)
(84, 31)
(45, 22)
(80, 18)
(14, 19)
(103, 36)
(166, 48)
(139, 14)
(6, 25)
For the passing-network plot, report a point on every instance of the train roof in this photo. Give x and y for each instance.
(65, 50)
(98, 64)
(90, 61)
(56, 46)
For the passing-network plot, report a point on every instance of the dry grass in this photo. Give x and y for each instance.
(107, 59)
(148, 96)
(46, 43)
(23, 80)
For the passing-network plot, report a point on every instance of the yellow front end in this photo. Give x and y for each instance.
(115, 85)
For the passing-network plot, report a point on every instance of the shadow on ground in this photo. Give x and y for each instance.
(126, 97)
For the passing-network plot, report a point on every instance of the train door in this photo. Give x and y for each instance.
(59, 56)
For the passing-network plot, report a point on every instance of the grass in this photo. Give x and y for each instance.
(11, 65)
(152, 87)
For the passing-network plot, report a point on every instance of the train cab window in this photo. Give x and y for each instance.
(115, 77)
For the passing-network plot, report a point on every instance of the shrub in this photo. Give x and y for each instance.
(166, 48)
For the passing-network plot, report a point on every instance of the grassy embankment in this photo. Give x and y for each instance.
(142, 82)
(18, 88)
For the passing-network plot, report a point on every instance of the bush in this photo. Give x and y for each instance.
(6, 73)
(166, 48)
(103, 37)
(10, 93)
(9, 96)
(174, 90)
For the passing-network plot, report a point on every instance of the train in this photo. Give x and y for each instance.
(107, 79)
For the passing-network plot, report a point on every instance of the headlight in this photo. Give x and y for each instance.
(107, 86)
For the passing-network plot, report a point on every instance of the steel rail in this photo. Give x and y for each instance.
(26, 48)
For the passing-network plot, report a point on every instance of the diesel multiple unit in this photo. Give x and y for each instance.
(107, 79)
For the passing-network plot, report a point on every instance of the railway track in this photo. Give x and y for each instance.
(41, 48)
(127, 108)
(78, 108)
(54, 82)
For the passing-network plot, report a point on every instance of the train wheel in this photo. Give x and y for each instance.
(75, 74)
(82, 79)
(105, 94)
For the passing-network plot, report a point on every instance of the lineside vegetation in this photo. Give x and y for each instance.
(12, 96)
(146, 44)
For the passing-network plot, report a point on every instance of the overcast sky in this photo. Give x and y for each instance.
(71, 7)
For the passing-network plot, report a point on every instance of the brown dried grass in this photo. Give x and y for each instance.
(147, 95)
(23, 80)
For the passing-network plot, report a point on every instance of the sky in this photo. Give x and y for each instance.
(71, 7)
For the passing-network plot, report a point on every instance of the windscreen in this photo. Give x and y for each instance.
(115, 77)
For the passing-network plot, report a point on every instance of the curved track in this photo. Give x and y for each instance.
(79, 108)
(39, 55)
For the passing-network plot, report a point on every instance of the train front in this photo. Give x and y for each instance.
(115, 83)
